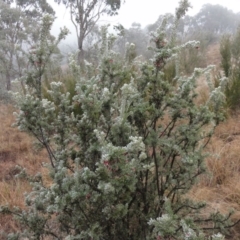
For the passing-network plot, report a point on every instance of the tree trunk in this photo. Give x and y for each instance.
(81, 51)
(8, 82)
(80, 56)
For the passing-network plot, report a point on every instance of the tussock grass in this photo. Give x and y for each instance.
(16, 148)
(220, 186)
(213, 56)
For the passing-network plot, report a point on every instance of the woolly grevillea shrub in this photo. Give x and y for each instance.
(121, 166)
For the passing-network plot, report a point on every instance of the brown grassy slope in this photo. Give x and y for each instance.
(15, 149)
(213, 56)
(220, 187)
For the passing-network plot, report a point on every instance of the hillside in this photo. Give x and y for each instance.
(16, 148)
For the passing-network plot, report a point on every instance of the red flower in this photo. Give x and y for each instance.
(106, 163)
(88, 196)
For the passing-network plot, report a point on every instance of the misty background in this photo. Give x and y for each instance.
(143, 12)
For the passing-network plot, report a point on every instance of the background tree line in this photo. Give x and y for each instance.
(19, 30)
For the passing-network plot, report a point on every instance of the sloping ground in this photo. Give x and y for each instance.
(213, 56)
(16, 148)
(220, 187)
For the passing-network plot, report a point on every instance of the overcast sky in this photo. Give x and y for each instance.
(141, 11)
(147, 11)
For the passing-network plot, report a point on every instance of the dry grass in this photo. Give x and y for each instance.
(220, 187)
(16, 148)
(213, 56)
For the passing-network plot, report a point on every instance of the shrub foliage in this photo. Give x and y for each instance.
(121, 166)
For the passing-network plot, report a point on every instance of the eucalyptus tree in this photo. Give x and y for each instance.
(19, 25)
(11, 26)
(85, 14)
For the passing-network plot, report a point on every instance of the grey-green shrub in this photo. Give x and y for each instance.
(121, 169)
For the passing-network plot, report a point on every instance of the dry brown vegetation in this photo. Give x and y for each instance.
(213, 54)
(16, 148)
(220, 187)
